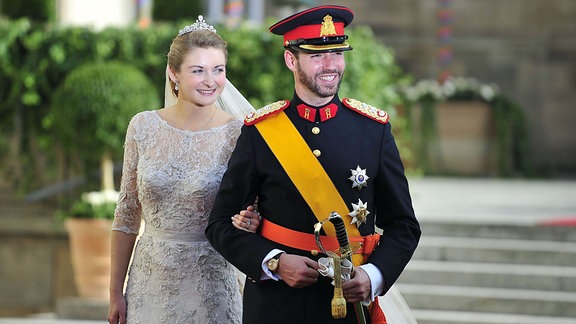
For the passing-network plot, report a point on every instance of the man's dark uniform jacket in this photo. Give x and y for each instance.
(348, 140)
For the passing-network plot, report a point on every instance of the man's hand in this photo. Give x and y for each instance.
(297, 271)
(358, 288)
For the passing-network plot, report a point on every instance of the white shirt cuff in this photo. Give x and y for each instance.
(376, 280)
(266, 273)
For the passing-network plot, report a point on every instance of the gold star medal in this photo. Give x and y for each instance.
(360, 213)
(359, 178)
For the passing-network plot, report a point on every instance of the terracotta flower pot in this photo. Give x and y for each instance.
(459, 139)
(466, 132)
(89, 241)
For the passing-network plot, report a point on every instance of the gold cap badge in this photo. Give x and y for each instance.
(327, 28)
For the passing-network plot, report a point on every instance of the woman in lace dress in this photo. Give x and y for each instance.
(174, 160)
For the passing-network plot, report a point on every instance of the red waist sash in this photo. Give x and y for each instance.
(307, 242)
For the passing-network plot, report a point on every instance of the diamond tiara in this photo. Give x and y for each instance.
(200, 24)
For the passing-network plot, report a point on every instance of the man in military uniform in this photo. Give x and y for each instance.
(349, 144)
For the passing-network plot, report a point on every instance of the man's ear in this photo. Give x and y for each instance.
(290, 60)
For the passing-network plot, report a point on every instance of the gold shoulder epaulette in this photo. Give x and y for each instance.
(371, 112)
(266, 111)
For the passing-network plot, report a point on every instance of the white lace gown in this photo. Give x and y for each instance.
(170, 179)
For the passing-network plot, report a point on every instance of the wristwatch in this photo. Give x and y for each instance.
(273, 263)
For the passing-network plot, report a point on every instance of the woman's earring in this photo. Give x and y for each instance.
(176, 86)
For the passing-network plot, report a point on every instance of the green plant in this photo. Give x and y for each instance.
(36, 58)
(94, 204)
(91, 110)
(178, 9)
(38, 10)
(452, 89)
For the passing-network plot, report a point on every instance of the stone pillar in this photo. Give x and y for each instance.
(96, 13)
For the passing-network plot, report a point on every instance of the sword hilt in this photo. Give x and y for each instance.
(341, 234)
(345, 252)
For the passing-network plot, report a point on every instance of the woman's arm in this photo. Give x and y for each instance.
(121, 252)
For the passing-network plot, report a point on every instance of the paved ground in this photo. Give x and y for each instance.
(462, 200)
(494, 200)
(47, 319)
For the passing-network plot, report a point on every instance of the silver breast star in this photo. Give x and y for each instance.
(360, 213)
(359, 178)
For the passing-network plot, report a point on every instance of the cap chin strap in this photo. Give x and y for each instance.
(326, 48)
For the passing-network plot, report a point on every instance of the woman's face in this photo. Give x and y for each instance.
(202, 76)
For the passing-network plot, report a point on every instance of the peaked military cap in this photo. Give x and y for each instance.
(318, 29)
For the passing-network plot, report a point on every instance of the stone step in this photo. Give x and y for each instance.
(526, 231)
(492, 300)
(82, 308)
(448, 317)
(498, 275)
(472, 249)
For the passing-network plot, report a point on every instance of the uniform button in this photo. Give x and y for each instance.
(315, 130)
(317, 153)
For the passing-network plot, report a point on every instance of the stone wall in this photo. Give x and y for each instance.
(527, 47)
(35, 268)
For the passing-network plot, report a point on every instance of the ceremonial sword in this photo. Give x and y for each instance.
(338, 301)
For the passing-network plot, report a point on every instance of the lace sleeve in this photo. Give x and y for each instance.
(128, 209)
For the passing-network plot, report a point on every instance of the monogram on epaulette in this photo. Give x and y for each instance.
(367, 110)
(266, 111)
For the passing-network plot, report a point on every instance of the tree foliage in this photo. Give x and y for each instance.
(36, 10)
(36, 58)
(93, 105)
(177, 9)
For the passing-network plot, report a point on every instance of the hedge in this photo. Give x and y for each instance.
(35, 58)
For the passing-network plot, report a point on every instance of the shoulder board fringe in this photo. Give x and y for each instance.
(371, 112)
(266, 111)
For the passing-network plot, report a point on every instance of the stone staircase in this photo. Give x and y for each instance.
(477, 274)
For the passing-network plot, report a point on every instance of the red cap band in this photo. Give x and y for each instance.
(312, 31)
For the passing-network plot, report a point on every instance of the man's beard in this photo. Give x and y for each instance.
(310, 83)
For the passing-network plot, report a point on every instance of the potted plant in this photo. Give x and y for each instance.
(465, 127)
(89, 115)
(88, 223)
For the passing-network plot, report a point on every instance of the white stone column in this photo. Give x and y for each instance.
(256, 10)
(96, 13)
(215, 12)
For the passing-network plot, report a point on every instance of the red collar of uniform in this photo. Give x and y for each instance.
(309, 113)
